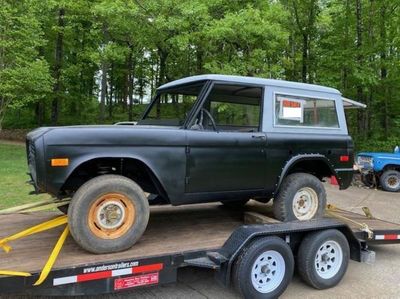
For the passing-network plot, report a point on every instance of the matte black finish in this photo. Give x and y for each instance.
(183, 165)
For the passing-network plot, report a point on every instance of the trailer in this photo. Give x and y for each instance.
(248, 250)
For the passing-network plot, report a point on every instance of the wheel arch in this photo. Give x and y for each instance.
(89, 167)
(391, 166)
(315, 164)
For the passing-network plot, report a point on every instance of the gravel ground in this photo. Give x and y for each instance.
(381, 280)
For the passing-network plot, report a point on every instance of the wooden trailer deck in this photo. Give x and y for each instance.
(170, 230)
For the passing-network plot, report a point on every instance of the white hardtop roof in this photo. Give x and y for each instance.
(250, 80)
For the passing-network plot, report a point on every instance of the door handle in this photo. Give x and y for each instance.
(258, 136)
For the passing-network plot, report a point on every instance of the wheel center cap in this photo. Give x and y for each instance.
(265, 269)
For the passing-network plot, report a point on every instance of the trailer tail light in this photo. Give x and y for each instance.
(345, 158)
(60, 162)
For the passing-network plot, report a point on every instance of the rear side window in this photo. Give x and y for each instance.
(305, 112)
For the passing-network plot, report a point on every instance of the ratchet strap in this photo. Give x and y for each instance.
(334, 212)
(47, 225)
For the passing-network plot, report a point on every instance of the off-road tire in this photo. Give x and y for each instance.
(242, 268)
(307, 253)
(86, 196)
(385, 180)
(283, 202)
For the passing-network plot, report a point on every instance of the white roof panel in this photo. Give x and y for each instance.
(250, 80)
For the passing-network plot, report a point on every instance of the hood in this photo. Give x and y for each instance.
(380, 155)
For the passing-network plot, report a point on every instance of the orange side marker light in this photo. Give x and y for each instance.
(60, 162)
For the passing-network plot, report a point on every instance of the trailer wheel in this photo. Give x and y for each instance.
(108, 214)
(301, 197)
(323, 258)
(390, 180)
(264, 269)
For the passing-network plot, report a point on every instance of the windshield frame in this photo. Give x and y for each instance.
(189, 116)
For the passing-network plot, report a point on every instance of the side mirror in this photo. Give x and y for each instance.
(397, 150)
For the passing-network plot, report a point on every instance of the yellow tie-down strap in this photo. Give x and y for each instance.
(34, 230)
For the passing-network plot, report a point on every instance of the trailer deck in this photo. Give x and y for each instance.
(175, 236)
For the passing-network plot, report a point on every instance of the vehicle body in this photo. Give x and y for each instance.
(232, 252)
(209, 138)
(380, 167)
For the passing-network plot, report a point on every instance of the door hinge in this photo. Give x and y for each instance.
(187, 150)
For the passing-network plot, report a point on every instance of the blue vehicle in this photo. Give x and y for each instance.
(380, 168)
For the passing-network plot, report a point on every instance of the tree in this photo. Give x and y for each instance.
(24, 75)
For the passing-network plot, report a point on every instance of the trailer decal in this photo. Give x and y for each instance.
(387, 237)
(108, 274)
(136, 281)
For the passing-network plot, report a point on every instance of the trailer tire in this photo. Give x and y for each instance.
(323, 258)
(268, 259)
(301, 196)
(108, 214)
(390, 180)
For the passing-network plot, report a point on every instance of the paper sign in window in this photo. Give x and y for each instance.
(291, 109)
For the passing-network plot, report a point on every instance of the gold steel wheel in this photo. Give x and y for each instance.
(111, 216)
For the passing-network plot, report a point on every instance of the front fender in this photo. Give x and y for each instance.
(161, 162)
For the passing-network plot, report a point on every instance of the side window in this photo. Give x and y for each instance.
(305, 112)
(234, 107)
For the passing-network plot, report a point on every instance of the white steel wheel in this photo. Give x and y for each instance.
(268, 271)
(329, 259)
(263, 269)
(305, 203)
(323, 257)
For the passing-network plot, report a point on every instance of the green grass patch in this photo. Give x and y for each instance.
(13, 176)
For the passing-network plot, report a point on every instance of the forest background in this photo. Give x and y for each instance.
(100, 61)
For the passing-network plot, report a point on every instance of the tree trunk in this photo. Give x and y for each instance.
(131, 82)
(39, 111)
(385, 93)
(55, 105)
(304, 69)
(359, 58)
(111, 94)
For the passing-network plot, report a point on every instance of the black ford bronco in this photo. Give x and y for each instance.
(203, 138)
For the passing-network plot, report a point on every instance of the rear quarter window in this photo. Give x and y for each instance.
(300, 111)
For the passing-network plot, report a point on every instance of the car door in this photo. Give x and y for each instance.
(231, 156)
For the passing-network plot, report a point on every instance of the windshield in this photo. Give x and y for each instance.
(171, 107)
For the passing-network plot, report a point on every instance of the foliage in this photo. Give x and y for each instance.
(24, 75)
(92, 61)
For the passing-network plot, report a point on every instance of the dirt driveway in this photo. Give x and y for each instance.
(379, 280)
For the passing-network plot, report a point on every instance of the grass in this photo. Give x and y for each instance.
(13, 176)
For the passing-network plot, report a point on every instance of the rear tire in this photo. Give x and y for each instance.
(108, 214)
(264, 268)
(323, 258)
(301, 197)
(390, 180)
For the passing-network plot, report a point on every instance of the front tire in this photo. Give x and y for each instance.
(390, 180)
(108, 214)
(301, 197)
(323, 258)
(264, 268)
